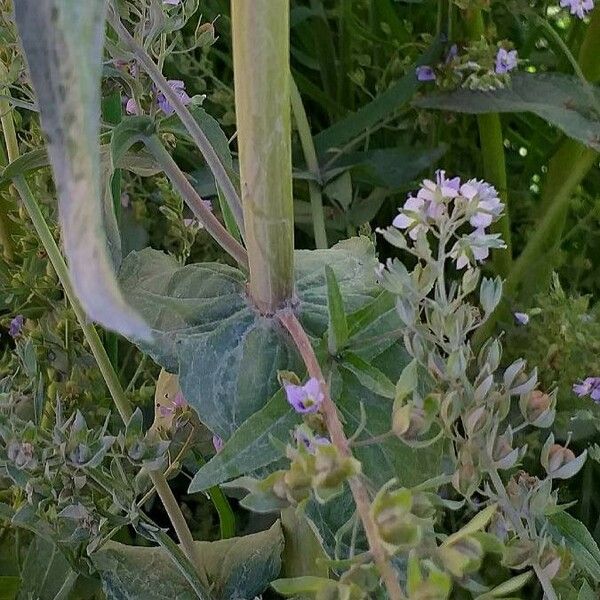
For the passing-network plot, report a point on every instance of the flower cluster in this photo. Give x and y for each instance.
(478, 66)
(580, 8)
(444, 206)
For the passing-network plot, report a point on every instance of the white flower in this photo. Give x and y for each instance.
(474, 247)
(489, 206)
(411, 221)
(438, 193)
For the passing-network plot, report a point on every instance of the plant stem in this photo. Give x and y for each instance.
(193, 200)
(202, 142)
(260, 31)
(10, 139)
(338, 438)
(106, 368)
(310, 156)
(492, 152)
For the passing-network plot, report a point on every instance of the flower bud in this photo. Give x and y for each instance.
(462, 557)
(559, 461)
(410, 422)
(331, 470)
(538, 408)
(519, 553)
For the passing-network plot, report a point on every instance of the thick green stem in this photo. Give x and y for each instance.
(193, 200)
(260, 31)
(310, 156)
(492, 152)
(104, 364)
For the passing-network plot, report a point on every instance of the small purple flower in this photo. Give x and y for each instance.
(179, 402)
(506, 61)
(406, 221)
(578, 7)
(131, 107)
(179, 88)
(425, 73)
(305, 398)
(16, 326)
(489, 204)
(309, 440)
(218, 442)
(521, 318)
(590, 386)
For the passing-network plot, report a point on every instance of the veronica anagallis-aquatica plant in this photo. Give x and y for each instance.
(296, 354)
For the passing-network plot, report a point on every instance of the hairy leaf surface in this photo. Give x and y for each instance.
(63, 41)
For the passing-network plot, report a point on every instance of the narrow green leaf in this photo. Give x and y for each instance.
(251, 446)
(337, 331)
(369, 115)
(586, 592)
(579, 540)
(63, 42)
(369, 376)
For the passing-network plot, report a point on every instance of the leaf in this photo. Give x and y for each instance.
(369, 376)
(251, 446)
(44, 572)
(391, 168)
(236, 568)
(337, 331)
(63, 41)
(562, 100)
(586, 592)
(578, 540)
(226, 354)
(369, 115)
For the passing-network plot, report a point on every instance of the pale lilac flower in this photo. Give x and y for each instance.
(218, 442)
(425, 73)
(474, 246)
(178, 402)
(131, 107)
(411, 221)
(521, 318)
(590, 386)
(506, 61)
(452, 53)
(172, 2)
(16, 326)
(578, 7)
(125, 200)
(488, 202)
(437, 193)
(179, 88)
(305, 398)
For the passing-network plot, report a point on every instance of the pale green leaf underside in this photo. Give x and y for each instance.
(237, 568)
(63, 42)
(562, 100)
(204, 328)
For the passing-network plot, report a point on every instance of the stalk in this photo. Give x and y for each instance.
(492, 152)
(10, 139)
(260, 32)
(193, 200)
(202, 142)
(310, 156)
(338, 438)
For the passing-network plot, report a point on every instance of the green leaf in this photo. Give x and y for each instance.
(251, 446)
(9, 587)
(337, 331)
(369, 376)
(63, 43)
(235, 568)
(578, 539)
(391, 168)
(372, 113)
(562, 100)
(44, 572)
(300, 585)
(586, 592)
(226, 354)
